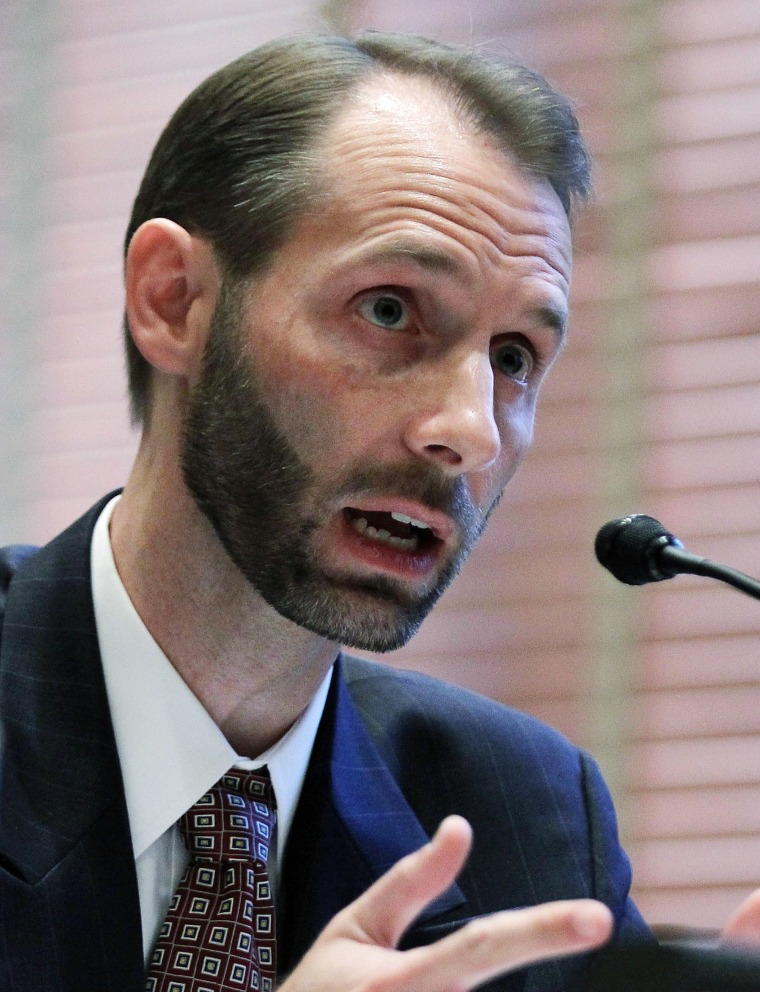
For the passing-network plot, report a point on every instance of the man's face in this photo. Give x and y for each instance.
(363, 403)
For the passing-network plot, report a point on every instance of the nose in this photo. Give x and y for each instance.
(454, 424)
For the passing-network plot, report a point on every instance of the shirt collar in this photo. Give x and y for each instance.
(170, 749)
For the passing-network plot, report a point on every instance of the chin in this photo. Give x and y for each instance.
(381, 642)
(362, 619)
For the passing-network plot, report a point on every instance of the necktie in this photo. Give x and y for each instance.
(219, 931)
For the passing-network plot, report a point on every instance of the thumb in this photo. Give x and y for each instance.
(744, 923)
(385, 910)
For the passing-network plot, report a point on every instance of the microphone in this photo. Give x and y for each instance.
(637, 549)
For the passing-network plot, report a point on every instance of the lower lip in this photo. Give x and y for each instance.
(386, 558)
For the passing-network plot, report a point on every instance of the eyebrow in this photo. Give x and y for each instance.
(430, 259)
(554, 318)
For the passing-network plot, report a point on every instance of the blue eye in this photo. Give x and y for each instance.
(514, 360)
(385, 310)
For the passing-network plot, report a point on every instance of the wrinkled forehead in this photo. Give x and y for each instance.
(400, 149)
(400, 113)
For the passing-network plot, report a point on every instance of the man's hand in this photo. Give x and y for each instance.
(743, 925)
(357, 949)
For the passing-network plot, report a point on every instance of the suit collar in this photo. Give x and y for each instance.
(60, 767)
(378, 817)
(352, 823)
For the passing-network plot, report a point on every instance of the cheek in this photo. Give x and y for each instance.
(323, 414)
(515, 419)
(515, 424)
(521, 426)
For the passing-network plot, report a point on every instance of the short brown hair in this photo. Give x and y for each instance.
(234, 163)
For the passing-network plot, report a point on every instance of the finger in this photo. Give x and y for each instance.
(386, 909)
(504, 942)
(744, 924)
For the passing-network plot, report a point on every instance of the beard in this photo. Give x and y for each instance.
(264, 503)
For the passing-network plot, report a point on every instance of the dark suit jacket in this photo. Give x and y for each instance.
(394, 754)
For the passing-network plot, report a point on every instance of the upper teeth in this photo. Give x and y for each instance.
(404, 519)
(361, 526)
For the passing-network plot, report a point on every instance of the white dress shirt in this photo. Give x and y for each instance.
(171, 751)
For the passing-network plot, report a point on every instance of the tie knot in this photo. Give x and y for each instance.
(234, 820)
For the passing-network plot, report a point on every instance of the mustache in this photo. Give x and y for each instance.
(421, 483)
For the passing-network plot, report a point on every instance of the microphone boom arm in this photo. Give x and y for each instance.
(681, 562)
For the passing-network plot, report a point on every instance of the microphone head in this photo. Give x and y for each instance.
(628, 547)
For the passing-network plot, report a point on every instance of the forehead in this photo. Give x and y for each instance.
(401, 155)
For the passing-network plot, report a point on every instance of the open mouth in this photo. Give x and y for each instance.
(398, 530)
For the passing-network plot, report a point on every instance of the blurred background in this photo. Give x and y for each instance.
(655, 406)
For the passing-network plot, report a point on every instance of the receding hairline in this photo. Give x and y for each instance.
(462, 107)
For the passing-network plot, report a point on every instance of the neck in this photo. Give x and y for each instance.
(253, 671)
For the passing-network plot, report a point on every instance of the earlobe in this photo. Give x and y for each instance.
(171, 284)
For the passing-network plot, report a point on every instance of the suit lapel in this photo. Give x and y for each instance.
(64, 833)
(352, 823)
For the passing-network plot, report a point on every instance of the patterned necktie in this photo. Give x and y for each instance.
(219, 930)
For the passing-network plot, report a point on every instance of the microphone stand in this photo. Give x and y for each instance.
(677, 561)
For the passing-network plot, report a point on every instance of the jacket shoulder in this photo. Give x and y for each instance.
(11, 557)
(545, 825)
(65, 555)
(392, 699)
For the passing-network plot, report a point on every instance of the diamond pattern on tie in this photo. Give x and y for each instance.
(219, 931)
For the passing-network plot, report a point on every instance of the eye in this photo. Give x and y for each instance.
(385, 310)
(514, 360)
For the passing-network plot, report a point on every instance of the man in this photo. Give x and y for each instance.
(347, 274)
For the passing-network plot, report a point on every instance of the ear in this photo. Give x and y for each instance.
(172, 282)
